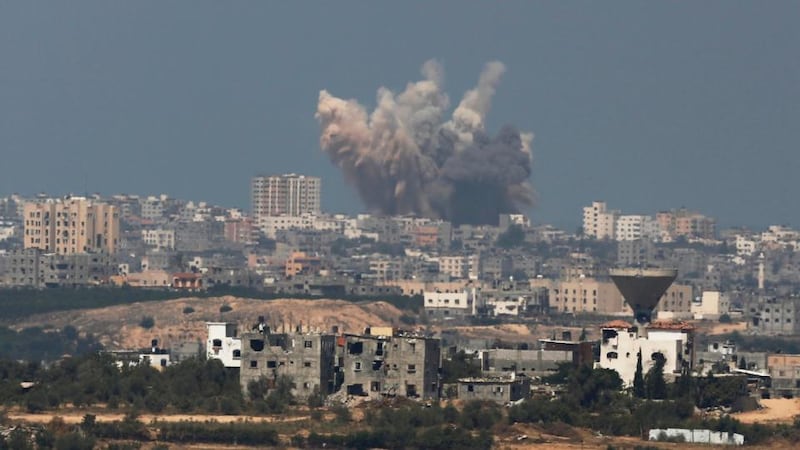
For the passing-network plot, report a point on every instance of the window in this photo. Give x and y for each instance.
(272, 364)
(253, 364)
(357, 366)
(307, 344)
(237, 354)
(307, 364)
(471, 388)
(412, 368)
(217, 343)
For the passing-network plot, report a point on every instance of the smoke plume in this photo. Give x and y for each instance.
(406, 157)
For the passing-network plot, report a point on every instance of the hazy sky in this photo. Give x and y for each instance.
(647, 105)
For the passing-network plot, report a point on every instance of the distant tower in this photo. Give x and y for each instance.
(761, 271)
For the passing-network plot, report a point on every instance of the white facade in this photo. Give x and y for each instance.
(620, 345)
(598, 221)
(290, 194)
(6, 231)
(159, 238)
(155, 360)
(635, 227)
(223, 343)
(745, 246)
(460, 303)
(152, 207)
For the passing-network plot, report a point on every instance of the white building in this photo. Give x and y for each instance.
(289, 194)
(745, 246)
(223, 343)
(598, 221)
(159, 238)
(635, 227)
(449, 304)
(6, 230)
(152, 208)
(621, 342)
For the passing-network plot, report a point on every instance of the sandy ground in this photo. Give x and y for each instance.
(117, 327)
(773, 410)
(724, 328)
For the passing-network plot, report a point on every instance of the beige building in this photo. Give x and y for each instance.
(71, 225)
(598, 221)
(581, 295)
(290, 194)
(590, 295)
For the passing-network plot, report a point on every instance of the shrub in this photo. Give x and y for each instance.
(147, 322)
(225, 308)
(188, 310)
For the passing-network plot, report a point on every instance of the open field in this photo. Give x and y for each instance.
(774, 410)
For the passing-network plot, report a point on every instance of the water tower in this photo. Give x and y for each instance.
(642, 288)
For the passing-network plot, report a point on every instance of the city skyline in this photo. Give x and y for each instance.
(646, 107)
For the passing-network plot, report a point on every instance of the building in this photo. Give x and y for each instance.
(501, 389)
(776, 316)
(460, 266)
(598, 221)
(582, 295)
(529, 362)
(621, 343)
(299, 263)
(635, 227)
(224, 344)
(711, 306)
(306, 358)
(159, 238)
(35, 268)
(290, 194)
(442, 305)
(636, 253)
(784, 370)
(509, 298)
(688, 224)
(388, 363)
(71, 225)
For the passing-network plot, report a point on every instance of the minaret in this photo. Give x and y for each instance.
(761, 271)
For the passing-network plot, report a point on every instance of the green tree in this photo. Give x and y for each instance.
(654, 381)
(638, 378)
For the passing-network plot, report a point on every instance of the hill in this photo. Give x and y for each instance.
(184, 319)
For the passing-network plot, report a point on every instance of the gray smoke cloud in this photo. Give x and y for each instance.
(406, 157)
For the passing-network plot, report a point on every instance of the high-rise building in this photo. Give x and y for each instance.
(289, 194)
(71, 225)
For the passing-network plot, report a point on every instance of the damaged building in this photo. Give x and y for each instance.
(307, 358)
(384, 362)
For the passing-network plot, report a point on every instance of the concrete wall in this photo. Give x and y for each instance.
(308, 359)
(697, 436)
(406, 366)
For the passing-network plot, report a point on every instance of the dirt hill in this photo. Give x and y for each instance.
(118, 326)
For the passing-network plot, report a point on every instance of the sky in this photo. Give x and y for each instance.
(646, 105)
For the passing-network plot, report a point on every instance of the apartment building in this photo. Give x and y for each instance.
(71, 225)
(598, 221)
(289, 194)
